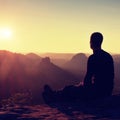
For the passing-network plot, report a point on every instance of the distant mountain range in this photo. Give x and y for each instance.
(77, 65)
(30, 72)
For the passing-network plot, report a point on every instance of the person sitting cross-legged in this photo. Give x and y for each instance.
(98, 81)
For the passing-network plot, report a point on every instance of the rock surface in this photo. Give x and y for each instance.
(107, 109)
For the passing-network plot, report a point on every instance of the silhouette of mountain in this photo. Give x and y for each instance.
(59, 62)
(77, 65)
(19, 73)
(33, 56)
(48, 69)
(58, 59)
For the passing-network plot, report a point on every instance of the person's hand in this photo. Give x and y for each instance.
(80, 84)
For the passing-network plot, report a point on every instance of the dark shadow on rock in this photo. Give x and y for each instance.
(107, 108)
(15, 113)
(10, 116)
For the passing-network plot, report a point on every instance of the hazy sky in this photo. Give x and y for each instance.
(58, 25)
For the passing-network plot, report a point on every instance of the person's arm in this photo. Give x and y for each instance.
(89, 73)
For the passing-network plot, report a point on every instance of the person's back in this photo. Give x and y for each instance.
(103, 70)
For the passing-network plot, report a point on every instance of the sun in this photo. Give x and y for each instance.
(5, 33)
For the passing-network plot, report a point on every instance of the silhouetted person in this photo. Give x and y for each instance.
(100, 68)
(98, 81)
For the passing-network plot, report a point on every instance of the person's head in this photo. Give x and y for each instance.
(96, 40)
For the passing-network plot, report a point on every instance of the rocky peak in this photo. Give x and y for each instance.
(46, 60)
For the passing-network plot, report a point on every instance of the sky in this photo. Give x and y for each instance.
(60, 26)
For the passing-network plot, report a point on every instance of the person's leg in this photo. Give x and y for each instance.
(69, 93)
(73, 92)
(48, 94)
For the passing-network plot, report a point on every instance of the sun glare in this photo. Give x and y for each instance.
(5, 34)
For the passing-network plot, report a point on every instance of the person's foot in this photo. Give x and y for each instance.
(48, 94)
(48, 89)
